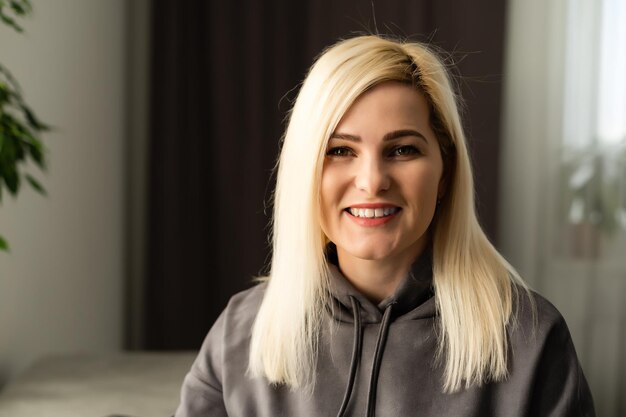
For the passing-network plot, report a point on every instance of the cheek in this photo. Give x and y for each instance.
(329, 196)
(325, 193)
(330, 188)
(422, 187)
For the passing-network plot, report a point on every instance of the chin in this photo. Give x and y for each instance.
(371, 253)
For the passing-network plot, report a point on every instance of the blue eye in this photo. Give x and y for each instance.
(339, 151)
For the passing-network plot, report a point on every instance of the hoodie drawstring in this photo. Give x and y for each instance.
(354, 362)
(356, 354)
(378, 357)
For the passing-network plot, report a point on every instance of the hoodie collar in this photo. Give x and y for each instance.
(413, 299)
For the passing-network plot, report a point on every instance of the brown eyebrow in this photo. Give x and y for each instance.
(389, 136)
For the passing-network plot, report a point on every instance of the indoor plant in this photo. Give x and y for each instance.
(20, 129)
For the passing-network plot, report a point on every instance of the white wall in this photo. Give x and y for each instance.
(61, 287)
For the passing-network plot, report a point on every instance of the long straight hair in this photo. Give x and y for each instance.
(474, 285)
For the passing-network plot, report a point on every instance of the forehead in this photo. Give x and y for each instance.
(387, 105)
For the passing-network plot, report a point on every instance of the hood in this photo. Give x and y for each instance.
(412, 300)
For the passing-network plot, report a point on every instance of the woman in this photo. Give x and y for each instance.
(385, 298)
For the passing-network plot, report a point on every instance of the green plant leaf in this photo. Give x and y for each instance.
(5, 94)
(12, 180)
(4, 245)
(21, 7)
(32, 120)
(35, 149)
(17, 8)
(35, 184)
(19, 150)
(10, 22)
(19, 126)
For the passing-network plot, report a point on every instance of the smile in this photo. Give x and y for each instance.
(372, 217)
(371, 213)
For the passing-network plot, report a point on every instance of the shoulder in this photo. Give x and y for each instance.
(223, 352)
(245, 304)
(544, 359)
(538, 327)
(532, 311)
(230, 332)
(237, 319)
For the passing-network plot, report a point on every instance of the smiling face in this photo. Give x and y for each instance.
(382, 176)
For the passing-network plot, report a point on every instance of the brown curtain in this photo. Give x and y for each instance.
(224, 74)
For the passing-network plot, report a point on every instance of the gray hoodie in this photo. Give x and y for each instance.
(379, 360)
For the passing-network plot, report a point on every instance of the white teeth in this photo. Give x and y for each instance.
(373, 213)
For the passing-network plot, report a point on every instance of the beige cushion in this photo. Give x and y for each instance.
(133, 384)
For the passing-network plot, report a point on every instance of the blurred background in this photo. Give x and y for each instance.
(167, 118)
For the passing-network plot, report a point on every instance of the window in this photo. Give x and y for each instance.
(563, 194)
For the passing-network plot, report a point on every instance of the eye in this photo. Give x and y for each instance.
(404, 150)
(339, 151)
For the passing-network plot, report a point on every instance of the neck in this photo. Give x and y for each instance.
(377, 279)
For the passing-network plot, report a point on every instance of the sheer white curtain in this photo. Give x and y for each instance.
(563, 207)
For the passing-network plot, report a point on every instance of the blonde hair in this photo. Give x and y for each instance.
(474, 285)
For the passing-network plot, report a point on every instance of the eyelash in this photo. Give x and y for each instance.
(412, 150)
(338, 151)
(335, 151)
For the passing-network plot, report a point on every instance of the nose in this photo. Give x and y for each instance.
(372, 176)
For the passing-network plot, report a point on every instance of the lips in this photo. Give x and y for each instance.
(372, 212)
(371, 215)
